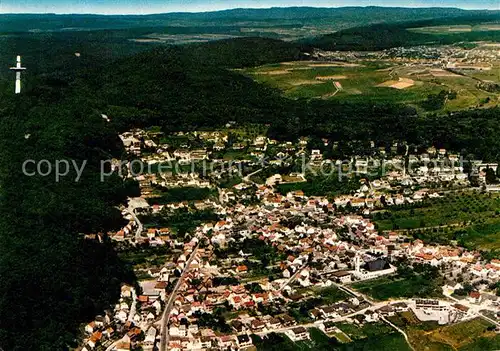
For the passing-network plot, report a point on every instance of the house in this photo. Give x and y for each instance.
(108, 332)
(126, 291)
(258, 325)
(474, 297)
(206, 342)
(123, 345)
(387, 311)
(298, 334)
(273, 323)
(121, 316)
(89, 328)
(373, 269)
(329, 312)
(149, 341)
(101, 321)
(315, 314)
(235, 301)
(328, 327)
(244, 341)
(237, 325)
(152, 233)
(242, 269)
(143, 299)
(342, 276)
(225, 341)
(94, 339)
(287, 320)
(160, 286)
(461, 309)
(371, 316)
(134, 333)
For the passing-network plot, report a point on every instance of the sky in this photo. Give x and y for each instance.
(161, 6)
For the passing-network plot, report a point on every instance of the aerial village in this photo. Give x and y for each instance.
(268, 261)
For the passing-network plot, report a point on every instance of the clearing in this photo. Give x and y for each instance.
(365, 81)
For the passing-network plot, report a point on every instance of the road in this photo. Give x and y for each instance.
(130, 318)
(373, 307)
(335, 320)
(354, 292)
(140, 227)
(247, 177)
(292, 278)
(477, 309)
(133, 306)
(399, 330)
(168, 308)
(112, 346)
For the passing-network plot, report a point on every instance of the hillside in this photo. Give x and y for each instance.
(267, 21)
(188, 87)
(388, 35)
(52, 279)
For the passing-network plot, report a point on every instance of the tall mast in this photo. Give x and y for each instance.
(18, 69)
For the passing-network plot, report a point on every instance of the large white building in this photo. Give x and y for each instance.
(372, 269)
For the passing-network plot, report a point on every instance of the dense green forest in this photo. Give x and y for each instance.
(382, 36)
(185, 88)
(335, 18)
(52, 279)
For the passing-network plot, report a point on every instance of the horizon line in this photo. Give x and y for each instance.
(243, 8)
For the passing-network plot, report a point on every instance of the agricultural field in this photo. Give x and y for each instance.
(473, 218)
(485, 236)
(372, 336)
(476, 334)
(454, 29)
(492, 75)
(376, 81)
(453, 208)
(387, 288)
(140, 259)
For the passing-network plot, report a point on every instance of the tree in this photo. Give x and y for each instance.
(491, 177)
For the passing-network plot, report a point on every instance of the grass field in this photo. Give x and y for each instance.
(374, 81)
(449, 209)
(475, 216)
(408, 319)
(331, 295)
(471, 335)
(457, 28)
(367, 330)
(468, 335)
(386, 288)
(372, 336)
(484, 236)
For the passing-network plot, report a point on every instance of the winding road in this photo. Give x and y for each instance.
(140, 227)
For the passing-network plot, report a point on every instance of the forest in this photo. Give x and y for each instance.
(53, 279)
(380, 36)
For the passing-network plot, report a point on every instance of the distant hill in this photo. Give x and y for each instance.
(342, 17)
(381, 36)
(350, 12)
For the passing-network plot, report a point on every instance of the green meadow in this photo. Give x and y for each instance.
(459, 28)
(471, 218)
(372, 81)
(451, 209)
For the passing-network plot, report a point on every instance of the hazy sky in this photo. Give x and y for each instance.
(156, 6)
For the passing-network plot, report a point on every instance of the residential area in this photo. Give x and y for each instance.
(230, 248)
